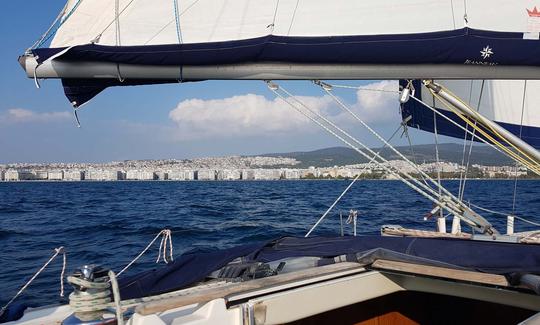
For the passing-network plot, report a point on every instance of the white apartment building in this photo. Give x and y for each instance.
(73, 175)
(56, 175)
(206, 175)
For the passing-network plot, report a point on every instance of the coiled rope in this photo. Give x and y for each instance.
(96, 297)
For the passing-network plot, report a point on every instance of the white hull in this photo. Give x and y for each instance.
(297, 295)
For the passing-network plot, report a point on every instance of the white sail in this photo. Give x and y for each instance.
(151, 22)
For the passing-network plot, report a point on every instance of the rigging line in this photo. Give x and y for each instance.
(57, 251)
(462, 188)
(114, 20)
(436, 136)
(273, 24)
(505, 214)
(409, 141)
(177, 18)
(355, 140)
(410, 181)
(453, 16)
(342, 105)
(117, 21)
(461, 172)
(531, 163)
(448, 202)
(171, 21)
(347, 189)
(520, 134)
(293, 16)
(46, 35)
(477, 117)
(50, 32)
(332, 206)
(363, 88)
(463, 128)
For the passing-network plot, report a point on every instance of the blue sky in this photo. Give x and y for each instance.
(167, 121)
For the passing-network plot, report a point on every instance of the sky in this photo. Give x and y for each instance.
(202, 119)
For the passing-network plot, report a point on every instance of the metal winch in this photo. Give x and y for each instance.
(91, 297)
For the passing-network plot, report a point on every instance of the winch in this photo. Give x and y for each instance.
(91, 297)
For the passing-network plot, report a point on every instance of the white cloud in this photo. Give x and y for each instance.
(21, 115)
(252, 114)
(378, 106)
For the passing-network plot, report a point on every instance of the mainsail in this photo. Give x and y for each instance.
(101, 43)
(513, 104)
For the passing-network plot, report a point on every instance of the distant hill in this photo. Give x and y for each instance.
(450, 152)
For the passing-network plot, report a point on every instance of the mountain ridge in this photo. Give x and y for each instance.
(449, 152)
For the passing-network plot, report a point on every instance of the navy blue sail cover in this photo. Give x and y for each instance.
(190, 268)
(460, 46)
(423, 118)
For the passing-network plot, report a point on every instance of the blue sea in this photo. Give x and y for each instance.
(109, 223)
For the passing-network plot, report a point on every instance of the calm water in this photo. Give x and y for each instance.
(111, 222)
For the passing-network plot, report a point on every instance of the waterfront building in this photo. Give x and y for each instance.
(146, 175)
(206, 174)
(229, 174)
(162, 175)
(103, 175)
(11, 175)
(132, 174)
(40, 175)
(56, 175)
(248, 174)
(2, 173)
(180, 175)
(267, 174)
(73, 175)
(291, 173)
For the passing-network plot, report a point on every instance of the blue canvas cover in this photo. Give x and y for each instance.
(490, 257)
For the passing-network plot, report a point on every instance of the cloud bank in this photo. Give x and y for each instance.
(21, 115)
(255, 115)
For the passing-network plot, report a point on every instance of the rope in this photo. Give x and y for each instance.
(347, 189)
(117, 21)
(462, 184)
(114, 20)
(117, 300)
(409, 181)
(166, 240)
(50, 32)
(520, 134)
(364, 89)
(171, 21)
(460, 126)
(441, 189)
(57, 251)
(293, 16)
(525, 158)
(505, 215)
(273, 24)
(177, 19)
(332, 206)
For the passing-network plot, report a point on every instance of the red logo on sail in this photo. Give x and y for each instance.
(534, 13)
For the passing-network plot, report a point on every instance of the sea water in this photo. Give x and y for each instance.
(109, 223)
